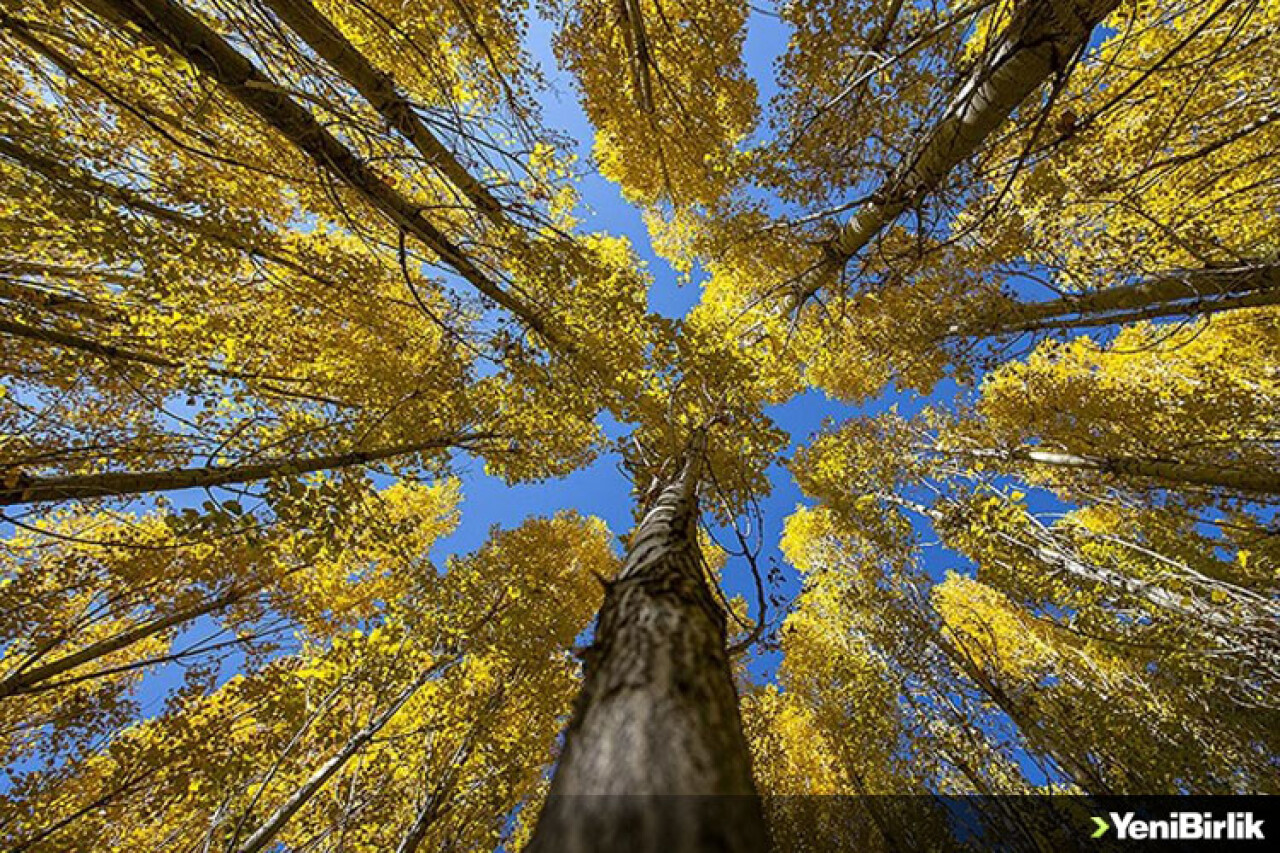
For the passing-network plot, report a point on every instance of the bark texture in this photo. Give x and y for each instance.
(655, 758)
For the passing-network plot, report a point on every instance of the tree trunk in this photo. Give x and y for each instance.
(1041, 40)
(380, 91)
(636, 41)
(1189, 293)
(655, 758)
(168, 23)
(1170, 472)
(111, 484)
(25, 680)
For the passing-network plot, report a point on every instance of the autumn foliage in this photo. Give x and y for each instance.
(278, 277)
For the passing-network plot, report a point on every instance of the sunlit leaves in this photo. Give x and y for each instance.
(664, 85)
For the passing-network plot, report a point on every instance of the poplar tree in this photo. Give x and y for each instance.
(318, 260)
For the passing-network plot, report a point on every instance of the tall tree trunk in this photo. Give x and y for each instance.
(425, 818)
(380, 91)
(1242, 617)
(1042, 38)
(636, 39)
(1171, 472)
(26, 680)
(657, 723)
(873, 806)
(170, 24)
(109, 484)
(1187, 293)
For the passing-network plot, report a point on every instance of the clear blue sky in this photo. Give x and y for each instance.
(603, 489)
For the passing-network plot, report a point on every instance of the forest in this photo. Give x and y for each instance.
(654, 425)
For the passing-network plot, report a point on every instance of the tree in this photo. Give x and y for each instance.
(1140, 595)
(658, 669)
(453, 690)
(302, 264)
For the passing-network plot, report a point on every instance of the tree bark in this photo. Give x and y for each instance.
(1041, 40)
(168, 23)
(1185, 293)
(109, 484)
(655, 758)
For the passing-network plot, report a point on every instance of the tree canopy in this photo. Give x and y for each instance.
(280, 278)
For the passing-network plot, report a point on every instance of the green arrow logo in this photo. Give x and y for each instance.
(1103, 826)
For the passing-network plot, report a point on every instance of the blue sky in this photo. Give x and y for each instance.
(603, 489)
